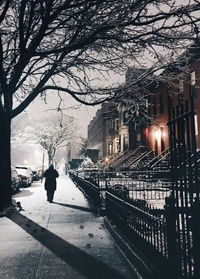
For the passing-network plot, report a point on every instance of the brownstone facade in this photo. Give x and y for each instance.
(110, 131)
(103, 130)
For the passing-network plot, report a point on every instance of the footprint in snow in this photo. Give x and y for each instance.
(88, 245)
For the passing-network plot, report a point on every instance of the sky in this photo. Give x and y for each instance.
(82, 114)
(70, 107)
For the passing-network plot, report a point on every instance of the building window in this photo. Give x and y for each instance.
(146, 103)
(193, 78)
(156, 148)
(117, 148)
(125, 142)
(113, 123)
(110, 148)
(154, 106)
(162, 139)
(126, 117)
(196, 125)
(147, 136)
(149, 107)
(193, 83)
(161, 104)
(116, 124)
(119, 143)
(180, 93)
(181, 86)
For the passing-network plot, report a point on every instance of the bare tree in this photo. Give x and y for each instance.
(57, 44)
(51, 134)
(54, 134)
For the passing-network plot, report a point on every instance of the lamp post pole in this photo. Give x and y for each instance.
(42, 166)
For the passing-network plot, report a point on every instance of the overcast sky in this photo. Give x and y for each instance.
(83, 114)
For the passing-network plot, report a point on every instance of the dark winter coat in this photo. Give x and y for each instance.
(50, 182)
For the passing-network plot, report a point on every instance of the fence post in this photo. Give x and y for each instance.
(195, 223)
(171, 216)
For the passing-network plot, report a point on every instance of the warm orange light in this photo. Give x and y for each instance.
(106, 160)
(157, 135)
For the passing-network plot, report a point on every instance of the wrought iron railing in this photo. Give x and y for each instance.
(139, 220)
(144, 209)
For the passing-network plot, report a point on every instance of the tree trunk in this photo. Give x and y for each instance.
(50, 157)
(5, 161)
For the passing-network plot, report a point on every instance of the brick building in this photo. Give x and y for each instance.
(103, 130)
(188, 82)
(111, 131)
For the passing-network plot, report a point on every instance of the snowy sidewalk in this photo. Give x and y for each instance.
(65, 239)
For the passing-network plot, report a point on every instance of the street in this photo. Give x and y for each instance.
(64, 239)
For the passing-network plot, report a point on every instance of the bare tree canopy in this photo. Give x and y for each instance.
(54, 44)
(71, 45)
(53, 133)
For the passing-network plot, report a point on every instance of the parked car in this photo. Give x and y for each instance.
(26, 175)
(15, 181)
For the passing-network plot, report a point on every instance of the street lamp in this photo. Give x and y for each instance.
(157, 135)
(107, 160)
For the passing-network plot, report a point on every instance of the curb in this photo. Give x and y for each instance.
(140, 264)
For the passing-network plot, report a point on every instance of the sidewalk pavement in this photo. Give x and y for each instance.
(64, 239)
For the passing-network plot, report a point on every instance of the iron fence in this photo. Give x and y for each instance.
(185, 189)
(145, 226)
(128, 207)
(91, 190)
(132, 185)
(144, 209)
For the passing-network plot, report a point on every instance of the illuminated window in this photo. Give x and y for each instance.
(110, 148)
(196, 125)
(193, 78)
(117, 147)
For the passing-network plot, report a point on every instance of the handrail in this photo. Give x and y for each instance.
(161, 155)
(117, 157)
(144, 156)
(121, 159)
(164, 156)
(138, 158)
(128, 155)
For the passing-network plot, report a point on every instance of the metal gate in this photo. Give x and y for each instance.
(183, 204)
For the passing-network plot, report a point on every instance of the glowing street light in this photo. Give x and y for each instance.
(107, 160)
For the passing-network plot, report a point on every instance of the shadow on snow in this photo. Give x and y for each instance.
(79, 260)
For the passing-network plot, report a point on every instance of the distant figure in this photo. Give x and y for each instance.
(50, 183)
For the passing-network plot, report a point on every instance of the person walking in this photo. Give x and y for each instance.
(50, 182)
